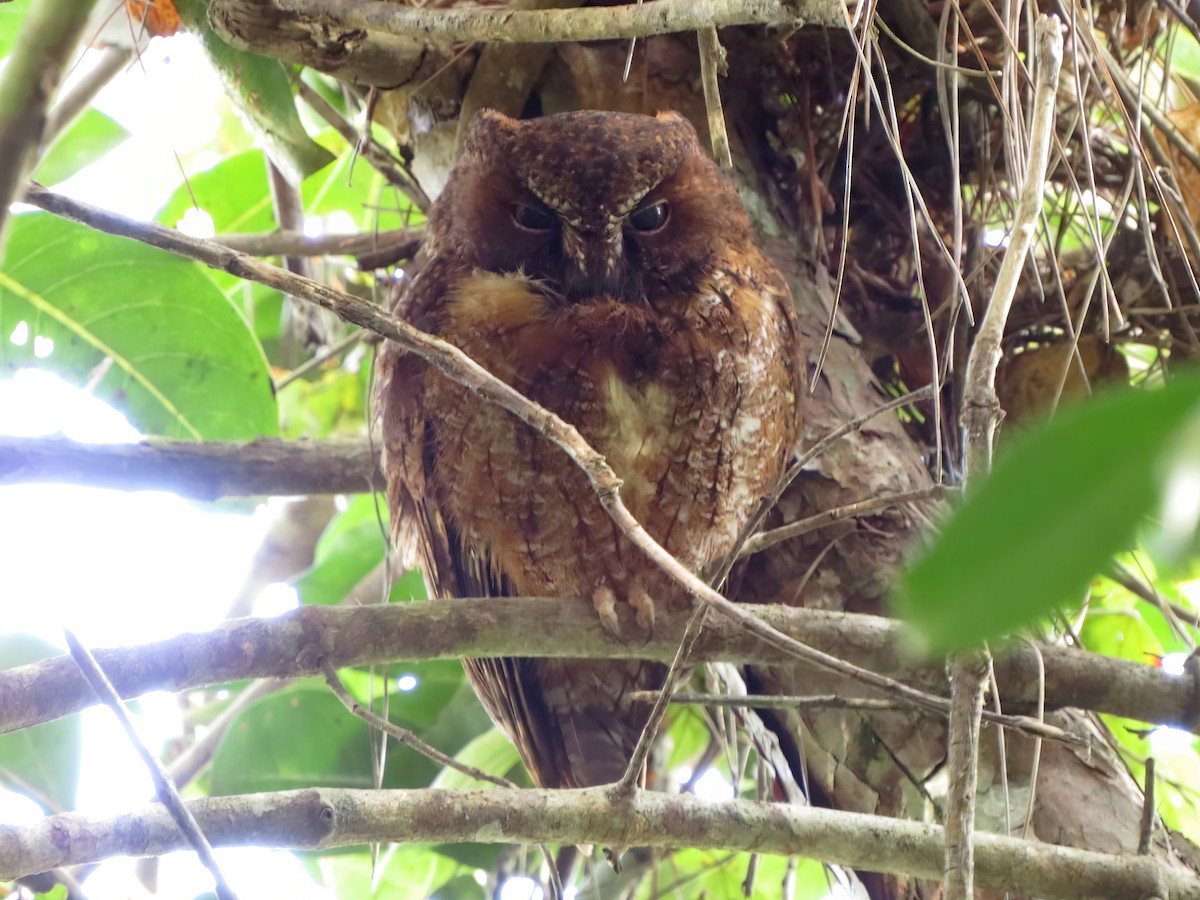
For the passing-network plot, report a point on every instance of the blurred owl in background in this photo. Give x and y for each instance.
(600, 264)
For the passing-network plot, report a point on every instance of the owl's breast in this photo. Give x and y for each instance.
(677, 401)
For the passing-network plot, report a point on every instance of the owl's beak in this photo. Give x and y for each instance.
(598, 263)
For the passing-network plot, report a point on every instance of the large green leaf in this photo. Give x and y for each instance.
(43, 761)
(184, 362)
(1065, 499)
(351, 546)
(90, 136)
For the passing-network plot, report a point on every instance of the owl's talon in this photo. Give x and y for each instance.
(644, 604)
(605, 602)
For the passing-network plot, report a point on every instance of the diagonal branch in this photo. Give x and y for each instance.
(460, 368)
(328, 817)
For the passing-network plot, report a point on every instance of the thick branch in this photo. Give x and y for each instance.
(554, 25)
(295, 644)
(327, 818)
(205, 471)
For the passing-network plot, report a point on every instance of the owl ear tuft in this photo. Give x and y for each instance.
(490, 128)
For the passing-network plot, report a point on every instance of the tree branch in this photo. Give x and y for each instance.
(296, 642)
(981, 416)
(205, 471)
(48, 37)
(554, 25)
(297, 243)
(328, 817)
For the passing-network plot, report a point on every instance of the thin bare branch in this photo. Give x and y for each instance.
(712, 64)
(867, 507)
(370, 150)
(168, 793)
(297, 243)
(403, 736)
(981, 415)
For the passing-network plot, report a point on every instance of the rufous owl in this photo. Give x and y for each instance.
(600, 264)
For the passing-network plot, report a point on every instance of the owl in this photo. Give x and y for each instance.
(600, 264)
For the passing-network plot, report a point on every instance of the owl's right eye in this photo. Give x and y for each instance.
(532, 218)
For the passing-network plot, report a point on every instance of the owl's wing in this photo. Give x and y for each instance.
(425, 535)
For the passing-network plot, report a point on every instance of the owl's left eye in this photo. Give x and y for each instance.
(533, 218)
(650, 218)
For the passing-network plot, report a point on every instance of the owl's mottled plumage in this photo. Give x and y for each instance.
(600, 264)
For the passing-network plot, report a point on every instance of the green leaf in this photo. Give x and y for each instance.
(491, 752)
(351, 546)
(333, 403)
(404, 871)
(1054, 509)
(90, 136)
(300, 737)
(183, 360)
(263, 91)
(45, 758)
(687, 735)
(234, 193)
(11, 15)
(438, 682)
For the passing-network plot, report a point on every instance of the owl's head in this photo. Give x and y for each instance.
(592, 204)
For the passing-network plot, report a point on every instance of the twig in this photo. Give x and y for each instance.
(1146, 832)
(980, 417)
(776, 701)
(168, 794)
(76, 98)
(297, 243)
(203, 470)
(325, 818)
(805, 459)
(49, 36)
(541, 26)
(410, 739)
(766, 539)
(377, 156)
(712, 63)
(459, 367)
(968, 676)
(319, 360)
(403, 735)
(641, 752)
(1033, 728)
